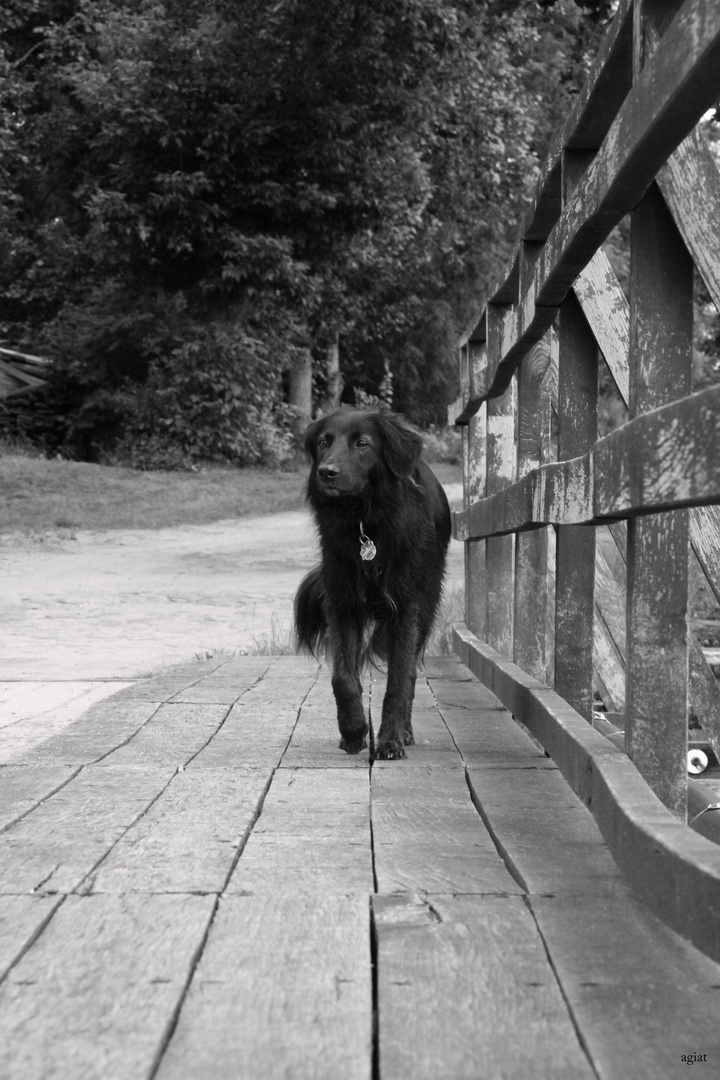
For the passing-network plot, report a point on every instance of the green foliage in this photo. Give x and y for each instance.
(193, 193)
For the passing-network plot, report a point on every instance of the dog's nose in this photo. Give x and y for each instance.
(328, 472)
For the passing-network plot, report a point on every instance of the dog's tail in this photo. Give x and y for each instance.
(310, 622)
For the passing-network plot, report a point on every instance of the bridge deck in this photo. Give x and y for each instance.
(195, 882)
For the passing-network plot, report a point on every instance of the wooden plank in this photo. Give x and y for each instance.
(283, 988)
(22, 918)
(475, 439)
(667, 458)
(531, 549)
(661, 336)
(22, 787)
(38, 717)
(313, 833)
(641, 996)
(315, 741)
(690, 184)
(428, 837)
(96, 995)
(500, 551)
(433, 743)
(465, 989)
(189, 838)
(545, 833)
(56, 846)
(103, 727)
(31, 700)
(671, 868)
(575, 554)
(173, 735)
(668, 98)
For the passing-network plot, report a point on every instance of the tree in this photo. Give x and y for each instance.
(225, 188)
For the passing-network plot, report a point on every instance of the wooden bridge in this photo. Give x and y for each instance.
(195, 882)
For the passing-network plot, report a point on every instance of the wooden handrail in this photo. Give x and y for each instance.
(532, 509)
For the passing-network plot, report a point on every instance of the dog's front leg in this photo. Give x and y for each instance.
(346, 643)
(396, 727)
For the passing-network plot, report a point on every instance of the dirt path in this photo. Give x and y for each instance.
(117, 605)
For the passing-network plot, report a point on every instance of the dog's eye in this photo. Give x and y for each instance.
(362, 442)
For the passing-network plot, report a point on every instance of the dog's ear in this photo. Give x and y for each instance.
(401, 445)
(311, 437)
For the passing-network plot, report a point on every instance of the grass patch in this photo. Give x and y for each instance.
(40, 495)
(37, 495)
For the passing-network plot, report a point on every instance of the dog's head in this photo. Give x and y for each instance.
(351, 448)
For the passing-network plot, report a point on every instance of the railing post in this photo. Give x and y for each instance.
(661, 320)
(475, 471)
(531, 548)
(575, 580)
(501, 457)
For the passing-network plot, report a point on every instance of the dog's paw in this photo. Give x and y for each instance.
(391, 750)
(353, 746)
(408, 737)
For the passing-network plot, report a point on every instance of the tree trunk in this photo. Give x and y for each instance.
(334, 377)
(301, 392)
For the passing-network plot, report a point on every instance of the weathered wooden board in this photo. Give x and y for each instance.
(575, 555)
(465, 990)
(676, 87)
(428, 837)
(313, 833)
(96, 995)
(162, 687)
(283, 989)
(661, 345)
(249, 736)
(641, 996)
(24, 786)
(665, 459)
(101, 729)
(55, 847)
(531, 549)
(174, 735)
(315, 741)
(51, 701)
(545, 833)
(21, 920)
(674, 870)
(29, 727)
(500, 551)
(189, 838)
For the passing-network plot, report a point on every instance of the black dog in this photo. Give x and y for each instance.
(384, 526)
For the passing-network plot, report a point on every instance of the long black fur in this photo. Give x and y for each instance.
(367, 468)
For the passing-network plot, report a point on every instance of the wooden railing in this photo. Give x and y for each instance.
(577, 548)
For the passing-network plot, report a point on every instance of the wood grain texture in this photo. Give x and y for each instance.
(465, 990)
(189, 839)
(615, 957)
(314, 832)
(575, 553)
(22, 787)
(500, 551)
(21, 919)
(100, 730)
(672, 869)
(530, 615)
(665, 459)
(428, 837)
(95, 996)
(661, 343)
(283, 989)
(54, 848)
(173, 735)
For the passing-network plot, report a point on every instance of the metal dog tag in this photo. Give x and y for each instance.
(368, 551)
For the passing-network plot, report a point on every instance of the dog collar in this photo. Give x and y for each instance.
(368, 551)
